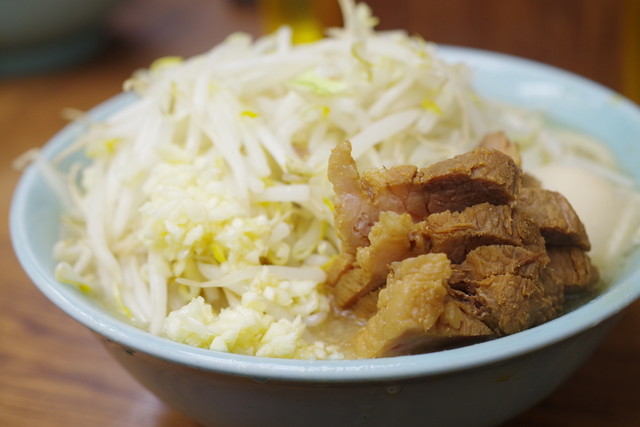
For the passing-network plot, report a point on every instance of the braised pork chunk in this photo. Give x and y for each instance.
(396, 237)
(480, 176)
(456, 252)
(416, 311)
(558, 222)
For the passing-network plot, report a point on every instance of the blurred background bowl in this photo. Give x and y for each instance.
(482, 384)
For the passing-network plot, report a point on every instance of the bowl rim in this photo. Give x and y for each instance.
(438, 363)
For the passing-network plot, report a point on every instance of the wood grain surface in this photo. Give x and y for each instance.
(53, 372)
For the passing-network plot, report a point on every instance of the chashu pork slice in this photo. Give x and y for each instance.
(510, 303)
(558, 222)
(566, 240)
(570, 268)
(396, 189)
(354, 213)
(395, 237)
(389, 242)
(479, 176)
(457, 233)
(416, 313)
(491, 260)
(504, 287)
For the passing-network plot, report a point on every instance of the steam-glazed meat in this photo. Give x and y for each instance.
(416, 313)
(354, 209)
(559, 224)
(466, 249)
(389, 241)
(477, 177)
(365, 307)
(504, 287)
(492, 260)
(395, 237)
(396, 189)
(480, 176)
(570, 268)
(530, 181)
(508, 303)
(457, 233)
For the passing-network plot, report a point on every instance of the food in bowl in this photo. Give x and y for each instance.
(462, 251)
(205, 213)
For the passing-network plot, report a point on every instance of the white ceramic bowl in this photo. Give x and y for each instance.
(481, 384)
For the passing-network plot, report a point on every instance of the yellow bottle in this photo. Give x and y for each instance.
(307, 18)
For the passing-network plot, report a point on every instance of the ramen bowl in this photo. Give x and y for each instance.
(481, 384)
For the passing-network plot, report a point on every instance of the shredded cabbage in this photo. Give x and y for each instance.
(204, 213)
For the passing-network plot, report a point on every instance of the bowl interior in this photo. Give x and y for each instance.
(564, 97)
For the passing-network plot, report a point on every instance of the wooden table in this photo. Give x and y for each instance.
(54, 373)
